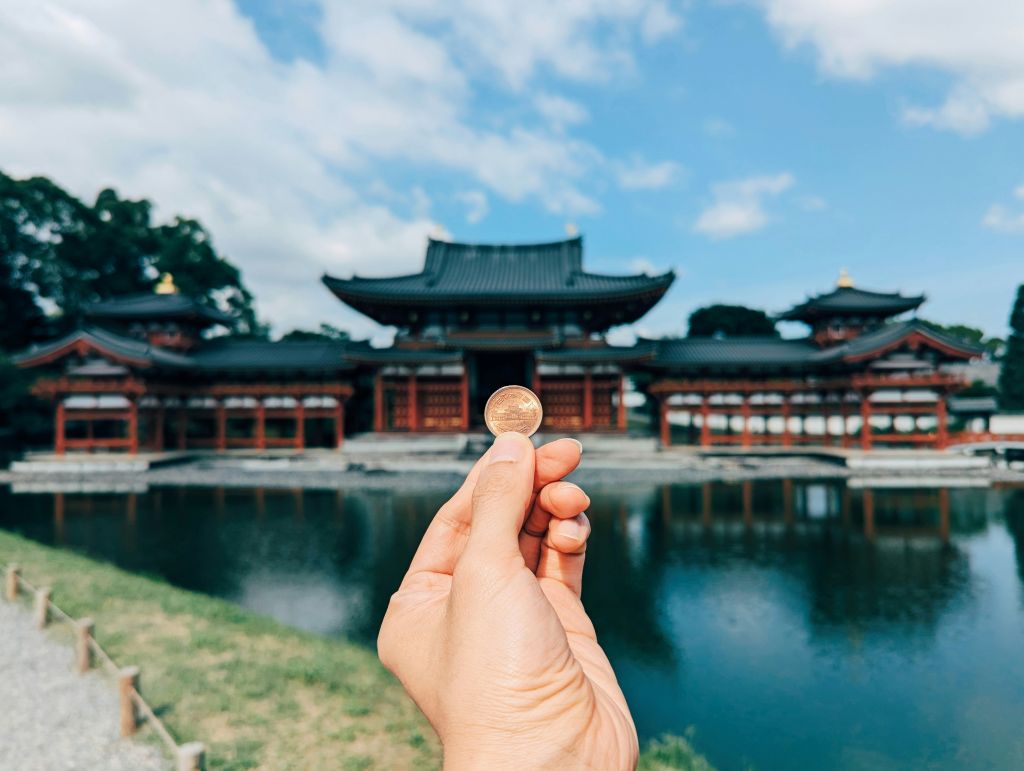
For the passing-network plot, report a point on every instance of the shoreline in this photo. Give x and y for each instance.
(416, 473)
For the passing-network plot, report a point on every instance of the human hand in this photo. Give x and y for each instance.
(487, 632)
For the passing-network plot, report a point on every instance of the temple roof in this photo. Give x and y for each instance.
(501, 274)
(773, 352)
(753, 352)
(848, 300)
(147, 306)
(227, 355)
(598, 354)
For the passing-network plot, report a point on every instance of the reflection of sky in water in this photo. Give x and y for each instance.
(759, 613)
(312, 602)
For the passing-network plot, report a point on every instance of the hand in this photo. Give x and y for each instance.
(487, 632)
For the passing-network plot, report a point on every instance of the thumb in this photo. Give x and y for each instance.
(501, 497)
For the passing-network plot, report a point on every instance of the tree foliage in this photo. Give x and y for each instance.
(61, 253)
(327, 333)
(730, 321)
(993, 345)
(1011, 375)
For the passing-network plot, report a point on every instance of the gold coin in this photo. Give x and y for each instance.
(513, 408)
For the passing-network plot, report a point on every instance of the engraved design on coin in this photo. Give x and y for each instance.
(513, 408)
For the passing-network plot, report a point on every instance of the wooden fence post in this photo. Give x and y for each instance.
(128, 685)
(192, 757)
(42, 607)
(11, 585)
(83, 651)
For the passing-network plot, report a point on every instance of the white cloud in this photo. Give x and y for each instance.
(737, 207)
(559, 111)
(979, 44)
(286, 163)
(639, 174)
(812, 203)
(1004, 219)
(476, 205)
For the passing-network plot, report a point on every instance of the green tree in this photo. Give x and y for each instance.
(327, 332)
(730, 321)
(1011, 375)
(66, 253)
(972, 335)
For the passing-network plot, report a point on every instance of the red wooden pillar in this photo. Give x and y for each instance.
(58, 427)
(222, 426)
(787, 438)
(942, 430)
(869, 514)
(865, 417)
(620, 418)
(745, 412)
(378, 402)
(464, 399)
(826, 436)
(261, 424)
(588, 400)
(339, 422)
(133, 426)
(300, 423)
(158, 428)
(413, 411)
(666, 437)
(182, 428)
(844, 414)
(705, 421)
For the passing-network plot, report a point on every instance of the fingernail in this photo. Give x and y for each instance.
(577, 441)
(571, 529)
(585, 496)
(508, 448)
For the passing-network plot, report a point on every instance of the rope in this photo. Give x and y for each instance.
(153, 720)
(62, 615)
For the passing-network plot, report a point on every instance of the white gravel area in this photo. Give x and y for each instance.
(52, 718)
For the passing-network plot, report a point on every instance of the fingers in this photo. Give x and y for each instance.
(563, 550)
(503, 491)
(446, 536)
(561, 500)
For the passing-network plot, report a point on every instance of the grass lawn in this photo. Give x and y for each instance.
(259, 694)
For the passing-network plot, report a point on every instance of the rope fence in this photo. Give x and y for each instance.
(134, 709)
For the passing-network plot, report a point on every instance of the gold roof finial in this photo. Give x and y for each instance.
(844, 281)
(571, 230)
(166, 285)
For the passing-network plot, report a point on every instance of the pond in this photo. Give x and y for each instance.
(791, 624)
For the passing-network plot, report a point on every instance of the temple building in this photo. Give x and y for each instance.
(151, 371)
(478, 317)
(858, 379)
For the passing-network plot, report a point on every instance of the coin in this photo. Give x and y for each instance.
(513, 408)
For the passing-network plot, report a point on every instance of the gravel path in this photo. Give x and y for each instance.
(52, 718)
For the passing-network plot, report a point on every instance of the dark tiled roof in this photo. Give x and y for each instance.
(138, 352)
(265, 356)
(593, 354)
(498, 341)
(886, 336)
(155, 306)
(849, 300)
(757, 352)
(491, 274)
(370, 355)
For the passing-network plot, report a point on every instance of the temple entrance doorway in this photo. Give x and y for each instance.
(489, 371)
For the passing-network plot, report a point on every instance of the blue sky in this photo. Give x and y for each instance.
(756, 147)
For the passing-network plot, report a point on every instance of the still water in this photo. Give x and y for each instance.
(793, 625)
